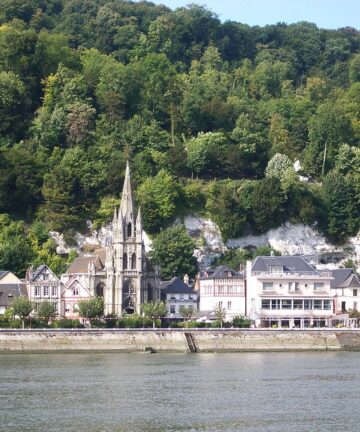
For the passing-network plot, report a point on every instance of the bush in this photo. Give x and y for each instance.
(67, 323)
(241, 322)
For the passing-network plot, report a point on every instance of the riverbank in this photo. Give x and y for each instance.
(188, 340)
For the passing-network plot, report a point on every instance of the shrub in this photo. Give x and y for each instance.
(241, 322)
(67, 323)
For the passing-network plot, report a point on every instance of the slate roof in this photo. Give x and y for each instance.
(3, 273)
(344, 278)
(221, 272)
(176, 286)
(289, 264)
(81, 264)
(9, 291)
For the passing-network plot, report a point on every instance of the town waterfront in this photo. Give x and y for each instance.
(102, 392)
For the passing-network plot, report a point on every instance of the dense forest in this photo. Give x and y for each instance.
(211, 116)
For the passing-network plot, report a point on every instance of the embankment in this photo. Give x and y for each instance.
(191, 340)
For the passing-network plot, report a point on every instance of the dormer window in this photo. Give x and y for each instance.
(276, 269)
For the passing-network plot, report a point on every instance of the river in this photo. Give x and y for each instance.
(284, 392)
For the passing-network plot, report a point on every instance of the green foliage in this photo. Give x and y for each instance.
(91, 309)
(154, 311)
(157, 197)
(45, 310)
(67, 323)
(173, 251)
(241, 322)
(22, 307)
(186, 312)
(86, 85)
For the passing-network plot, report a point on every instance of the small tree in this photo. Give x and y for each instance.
(22, 307)
(220, 314)
(154, 311)
(186, 312)
(92, 308)
(46, 310)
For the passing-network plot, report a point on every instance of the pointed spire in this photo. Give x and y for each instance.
(138, 222)
(126, 206)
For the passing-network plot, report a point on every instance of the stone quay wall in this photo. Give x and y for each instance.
(170, 340)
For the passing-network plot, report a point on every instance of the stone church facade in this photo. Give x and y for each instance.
(120, 272)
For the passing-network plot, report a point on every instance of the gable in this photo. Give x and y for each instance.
(75, 284)
(43, 273)
(9, 278)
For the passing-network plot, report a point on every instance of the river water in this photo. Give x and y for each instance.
(180, 392)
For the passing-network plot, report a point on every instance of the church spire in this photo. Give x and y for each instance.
(126, 206)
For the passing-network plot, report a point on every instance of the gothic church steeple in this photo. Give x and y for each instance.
(126, 206)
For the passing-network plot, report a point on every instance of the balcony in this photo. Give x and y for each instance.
(304, 274)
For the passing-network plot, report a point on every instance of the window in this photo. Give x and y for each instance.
(317, 304)
(290, 286)
(46, 291)
(220, 304)
(75, 291)
(54, 291)
(275, 304)
(172, 309)
(327, 304)
(297, 286)
(286, 304)
(67, 308)
(298, 304)
(318, 286)
(355, 292)
(276, 269)
(265, 304)
(308, 304)
(229, 305)
(125, 261)
(268, 286)
(37, 291)
(55, 306)
(182, 297)
(76, 307)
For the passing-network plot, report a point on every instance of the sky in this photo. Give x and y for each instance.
(325, 13)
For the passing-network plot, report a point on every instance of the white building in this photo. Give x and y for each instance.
(44, 285)
(177, 294)
(345, 289)
(224, 287)
(287, 291)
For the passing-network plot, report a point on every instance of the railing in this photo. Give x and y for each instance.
(170, 300)
(293, 273)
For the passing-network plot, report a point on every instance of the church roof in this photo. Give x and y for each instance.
(81, 264)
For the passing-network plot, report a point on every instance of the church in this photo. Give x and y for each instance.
(120, 272)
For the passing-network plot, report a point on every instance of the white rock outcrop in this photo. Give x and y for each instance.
(289, 239)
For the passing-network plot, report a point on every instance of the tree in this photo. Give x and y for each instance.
(186, 312)
(92, 309)
(154, 311)
(220, 314)
(22, 307)
(46, 310)
(173, 251)
(158, 197)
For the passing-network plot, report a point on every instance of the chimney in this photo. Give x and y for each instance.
(186, 279)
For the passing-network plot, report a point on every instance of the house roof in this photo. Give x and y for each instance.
(3, 273)
(81, 264)
(220, 272)
(9, 291)
(344, 278)
(176, 286)
(40, 269)
(289, 263)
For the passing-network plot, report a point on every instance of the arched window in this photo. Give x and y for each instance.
(99, 290)
(133, 261)
(129, 229)
(125, 261)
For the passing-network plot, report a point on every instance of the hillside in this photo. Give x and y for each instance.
(212, 117)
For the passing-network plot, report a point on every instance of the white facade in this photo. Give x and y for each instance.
(288, 292)
(345, 290)
(176, 301)
(222, 287)
(44, 285)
